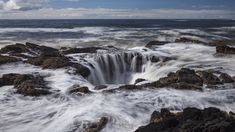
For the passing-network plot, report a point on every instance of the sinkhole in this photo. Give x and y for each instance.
(118, 68)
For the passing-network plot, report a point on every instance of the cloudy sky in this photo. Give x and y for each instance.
(117, 9)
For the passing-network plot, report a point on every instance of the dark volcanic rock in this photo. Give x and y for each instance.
(151, 44)
(80, 90)
(7, 59)
(100, 87)
(190, 120)
(139, 80)
(25, 84)
(29, 48)
(188, 40)
(82, 70)
(129, 87)
(225, 49)
(209, 78)
(82, 50)
(98, 126)
(225, 78)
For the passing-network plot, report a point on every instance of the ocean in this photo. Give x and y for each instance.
(123, 45)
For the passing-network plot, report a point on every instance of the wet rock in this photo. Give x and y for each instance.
(139, 80)
(220, 42)
(154, 59)
(190, 120)
(16, 48)
(100, 87)
(98, 126)
(188, 40)
(183, 75)
(28, 48)
(79, 90)
(209, 78)
(7, 59)
(151, 44)
(26, 84)
(129, 87)
(225, 78)
(82, 70)
(225, 49)
(82, 50)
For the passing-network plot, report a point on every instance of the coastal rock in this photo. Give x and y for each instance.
(154, 59)
(225, 78)
(225, 49)
(25, 84)
(129, 87)
(139, 80)
(28, 48)
(209, 78)
(7, 59)
(98, 126)
(100, 87)
(82, 70)
(79, 90)
(188, 40)
(220, 42)
(190, 120)
(151, 44)
(81, 50)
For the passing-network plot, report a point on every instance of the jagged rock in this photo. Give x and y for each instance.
(139, 80)
(183, 75)
(151, 44)
(25, 84)
(98, 126)
(82, 70)
(7, 59)
(80, 90)
(225, 78)
(209, 78)
(29, 48)
(82, 50)
(100, 87)
(188, 40)
(190, 120)
(225, 49)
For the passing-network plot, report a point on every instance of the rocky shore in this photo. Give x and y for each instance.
(190, 119)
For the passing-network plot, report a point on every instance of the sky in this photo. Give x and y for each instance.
(117, 9)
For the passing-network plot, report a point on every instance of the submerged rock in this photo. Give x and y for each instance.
(188, 40)
(190, 120)
(225, 49)
(151, 44)
(7, 59)
(100, 87)
(98, 126)
(25, 84)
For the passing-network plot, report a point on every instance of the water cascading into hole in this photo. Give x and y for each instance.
(116, 68)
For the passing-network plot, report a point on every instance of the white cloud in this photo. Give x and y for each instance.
(100, 13)
(22, 4)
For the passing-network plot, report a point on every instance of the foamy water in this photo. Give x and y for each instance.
(126, 110)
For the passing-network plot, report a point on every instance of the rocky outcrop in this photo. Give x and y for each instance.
(190, 120)
(209, 78)
(188, 40)
(225, 49)
(100, 87)
(79, 90)
(81, 50)
(7, 59)
(29, 48)
(225, 78)
(151, 44)
(98, 126)
(26, 84)
(139, 80)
